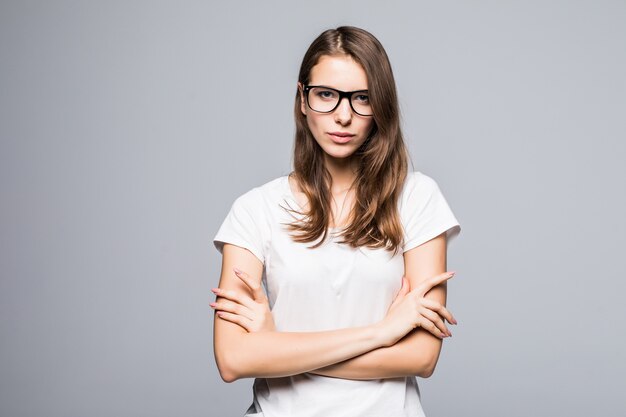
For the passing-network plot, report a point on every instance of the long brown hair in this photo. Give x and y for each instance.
(382, 159)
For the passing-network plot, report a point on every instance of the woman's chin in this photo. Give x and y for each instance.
(339, 155)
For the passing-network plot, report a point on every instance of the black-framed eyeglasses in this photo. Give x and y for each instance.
(324, 99)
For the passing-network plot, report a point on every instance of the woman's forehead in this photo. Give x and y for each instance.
(340, 72)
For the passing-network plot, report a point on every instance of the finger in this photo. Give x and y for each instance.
(425, 286)
(429, 326)
(235, 296)
(436, 320)
(440, 309)
(255, 285)
(234, 318)
(404, 290)
(230, 307)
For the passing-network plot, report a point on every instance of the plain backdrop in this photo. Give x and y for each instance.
(128, 128)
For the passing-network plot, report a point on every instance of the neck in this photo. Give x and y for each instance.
(343, 173)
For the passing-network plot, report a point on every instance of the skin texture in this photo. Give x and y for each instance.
(407, 342)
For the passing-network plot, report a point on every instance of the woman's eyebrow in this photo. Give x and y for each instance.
(334, 88)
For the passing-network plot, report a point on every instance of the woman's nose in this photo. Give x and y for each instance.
(343, 113)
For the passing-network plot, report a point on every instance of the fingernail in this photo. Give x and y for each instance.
(451, 273)
(237, 271)
(212, 305)
(215, 290)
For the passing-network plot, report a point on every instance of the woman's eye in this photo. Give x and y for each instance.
(363, 98)
(326, 94)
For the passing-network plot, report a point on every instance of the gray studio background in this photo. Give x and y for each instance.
(129, 128)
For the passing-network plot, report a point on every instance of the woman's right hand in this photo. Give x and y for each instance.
(411, 309)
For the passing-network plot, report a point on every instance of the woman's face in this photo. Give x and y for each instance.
(345, 74)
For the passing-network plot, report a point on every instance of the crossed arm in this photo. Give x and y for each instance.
(354, 353)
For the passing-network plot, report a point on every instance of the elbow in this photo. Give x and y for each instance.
(228, 375)
(228, 370)
(234, 360)
(428, 365)
(427, 370)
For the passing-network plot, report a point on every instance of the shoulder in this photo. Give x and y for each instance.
(417, 187)
(421, 196)
(416, 177)
(424, 211)
(263, 195)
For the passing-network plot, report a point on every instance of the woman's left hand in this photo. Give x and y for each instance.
(253, 314)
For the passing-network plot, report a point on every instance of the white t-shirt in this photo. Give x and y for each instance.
(331, 287)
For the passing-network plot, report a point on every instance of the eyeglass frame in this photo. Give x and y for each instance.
(342, 94)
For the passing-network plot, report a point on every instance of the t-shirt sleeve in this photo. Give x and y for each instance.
(243, 225)
(425, 212)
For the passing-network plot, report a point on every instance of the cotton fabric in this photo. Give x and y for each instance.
(331, 287)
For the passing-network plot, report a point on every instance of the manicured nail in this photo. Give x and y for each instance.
(215, 290)
(213, 305)
(237, 271)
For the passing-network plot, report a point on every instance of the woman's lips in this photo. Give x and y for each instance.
(340, 137)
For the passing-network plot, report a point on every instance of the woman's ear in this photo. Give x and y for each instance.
(302, 103)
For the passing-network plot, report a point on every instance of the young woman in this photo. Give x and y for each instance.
(350, 247)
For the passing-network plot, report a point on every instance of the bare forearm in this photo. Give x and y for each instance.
(417, 353)
(242, 354)
(277, 354)
(414, 355)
